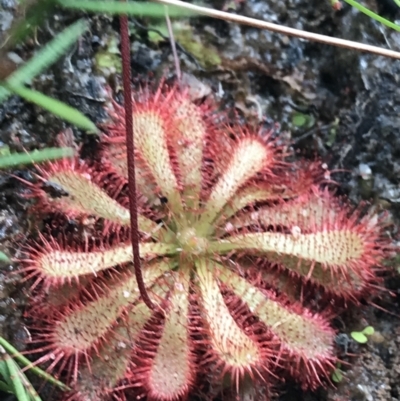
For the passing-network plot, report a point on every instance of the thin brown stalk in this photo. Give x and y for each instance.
(130, 145)
(347, 44)
(173, 45)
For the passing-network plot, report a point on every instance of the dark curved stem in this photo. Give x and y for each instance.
(130, 145)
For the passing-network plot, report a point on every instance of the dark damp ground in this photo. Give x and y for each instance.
(339, 105)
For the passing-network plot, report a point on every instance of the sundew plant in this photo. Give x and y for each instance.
(229, 227)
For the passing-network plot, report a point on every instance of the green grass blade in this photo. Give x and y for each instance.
(4, 373)
(128, 8)
(373, 15)
(34, 369)
(48, 54)
(36, 156)
(15, 380)
(29, 389)
(4, 387)
(397, 2)
(55, 107)
(19, 389)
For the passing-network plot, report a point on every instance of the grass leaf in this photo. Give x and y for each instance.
(55, 107)
(4, 373)
(15, 375)
(48, 54)
(15, 381)
(36, 156)
(128, 8)
(29, 389)
(4, 387)
(373, 15)
(26, 362)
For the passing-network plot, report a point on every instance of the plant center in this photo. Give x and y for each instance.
(190, 242)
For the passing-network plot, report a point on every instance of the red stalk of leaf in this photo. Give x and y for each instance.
(130, 145)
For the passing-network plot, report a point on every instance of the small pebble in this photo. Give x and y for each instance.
(364, 171)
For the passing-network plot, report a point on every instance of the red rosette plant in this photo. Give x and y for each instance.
(220, 213)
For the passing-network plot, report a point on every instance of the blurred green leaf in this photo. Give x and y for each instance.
(299, 120)
(129, 8)
(48, 54)
(3, 256)
(55, 107)
(337, 375)
(14, 159)
(303, 121)
(359, 337)
(4, 93)
(4, 150)
(368, 331)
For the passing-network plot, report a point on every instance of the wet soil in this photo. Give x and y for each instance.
(339, 105)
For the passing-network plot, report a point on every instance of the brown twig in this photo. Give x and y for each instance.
(347, 44)
(173, 46)
(130, 145)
